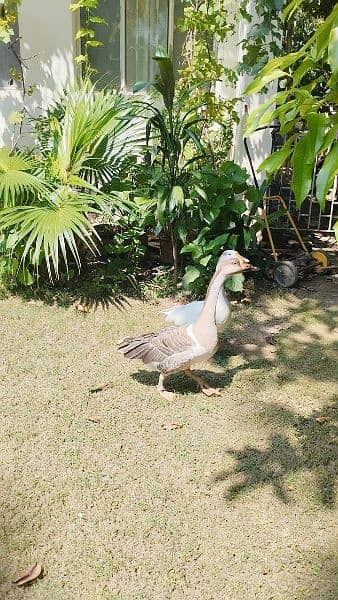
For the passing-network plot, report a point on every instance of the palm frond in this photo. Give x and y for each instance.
(17, 182)
(52, 227)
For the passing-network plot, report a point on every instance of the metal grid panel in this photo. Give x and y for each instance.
(309, 216)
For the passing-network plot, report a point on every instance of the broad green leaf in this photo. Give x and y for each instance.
(205, 260)
(165, 81)
(176, 196)
(303, 164)
(235, 283)
(239, 207)
(320, 38)
(217, 243)
(303, 68)
(291, 8)
(190, 248)
(326, 175)
(263, 79)
(255, 118)
(25, 277)
(317, 124)
(273, 70)
(200, 192)
(209, 216)
(274, 162)
(333, 49)
(182, 232)
(191, 274)
(329, 138)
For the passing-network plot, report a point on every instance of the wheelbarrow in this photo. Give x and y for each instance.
(286, 271)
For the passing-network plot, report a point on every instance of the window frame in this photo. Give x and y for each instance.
(123, 61)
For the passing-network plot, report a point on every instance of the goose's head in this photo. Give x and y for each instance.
(233, 262)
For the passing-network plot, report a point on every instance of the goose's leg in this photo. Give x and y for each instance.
(160, 388)
(204, 387)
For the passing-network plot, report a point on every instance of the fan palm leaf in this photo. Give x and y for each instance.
(17, 183)
(52, 227)
(45, 202)
(99, 130)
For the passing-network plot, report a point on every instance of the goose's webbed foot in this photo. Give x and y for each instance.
(204, 387)
(161, 389)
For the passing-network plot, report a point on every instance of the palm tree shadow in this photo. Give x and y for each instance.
(315, 451)
(87, 295)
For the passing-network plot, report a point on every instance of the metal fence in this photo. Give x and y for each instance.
(309, 215)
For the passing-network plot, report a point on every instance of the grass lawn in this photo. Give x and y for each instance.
(238, 504)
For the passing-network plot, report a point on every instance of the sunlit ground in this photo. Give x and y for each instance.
(237, 504)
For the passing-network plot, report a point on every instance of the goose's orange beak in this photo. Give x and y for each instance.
(245, 264)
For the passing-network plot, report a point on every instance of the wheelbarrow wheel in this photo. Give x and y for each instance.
(285, 274)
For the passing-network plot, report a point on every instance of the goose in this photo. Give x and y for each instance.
(186, 314)
(176, 349)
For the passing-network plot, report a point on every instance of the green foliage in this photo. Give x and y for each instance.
(207, 24)
(46, 197)
(128, 245)
(87, 34)
(264, 37)
(8, 15)
(172, 135)
(160, 285)
(304, 110)
(223, 215)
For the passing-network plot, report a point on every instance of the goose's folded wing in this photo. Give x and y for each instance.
(158, 346)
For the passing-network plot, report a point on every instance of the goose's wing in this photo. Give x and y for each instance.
(184, 314)
(160, 348)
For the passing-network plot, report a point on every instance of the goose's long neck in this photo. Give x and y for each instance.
(207, 316)
(222, 298)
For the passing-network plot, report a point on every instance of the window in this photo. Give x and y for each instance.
(135, 28)
(9, 61)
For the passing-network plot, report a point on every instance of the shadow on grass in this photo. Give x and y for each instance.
(314, 451)
(181, 384)
(293, 347)
(88, 294)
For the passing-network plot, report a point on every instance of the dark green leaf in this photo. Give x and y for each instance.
(235, 283)
(326, 175)
(303, 164)
(191, 274)
(274, 162)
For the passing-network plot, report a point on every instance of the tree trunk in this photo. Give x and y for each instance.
(175, 256)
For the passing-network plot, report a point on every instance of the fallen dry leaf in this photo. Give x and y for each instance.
(94, 419)
(33, 573)
(171, 426)
(101, 387)
(322, 419)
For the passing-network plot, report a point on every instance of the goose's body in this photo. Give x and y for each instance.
(187, 314)
(178, 348)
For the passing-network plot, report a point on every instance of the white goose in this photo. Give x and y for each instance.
(179, 348)
(187, 314)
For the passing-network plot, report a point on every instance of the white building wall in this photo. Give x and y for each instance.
(47, 45)
(46, 29)
(259, 143)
